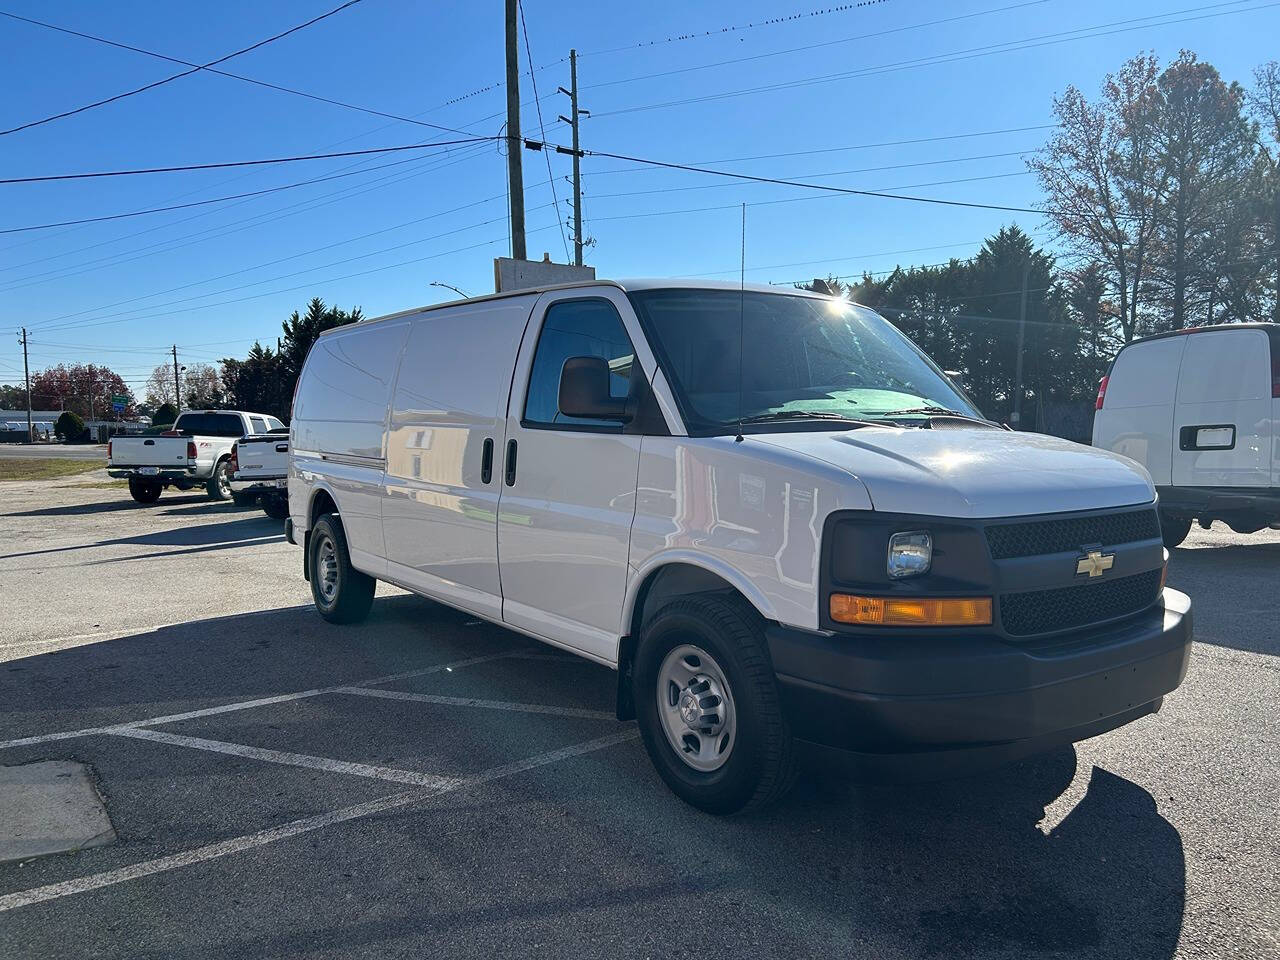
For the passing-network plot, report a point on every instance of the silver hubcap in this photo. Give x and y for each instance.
(224, 485)
(327, 570)
(695, 705)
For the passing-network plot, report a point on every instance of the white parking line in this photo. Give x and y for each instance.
(476, 702)
(244, 704)
(393, 774)
(213, 851)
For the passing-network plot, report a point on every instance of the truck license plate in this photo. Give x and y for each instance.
(149, 471)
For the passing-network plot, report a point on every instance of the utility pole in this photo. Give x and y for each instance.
(515, 143)
(572, 120)
(177, 390)
(26, 370)
(1022, 336)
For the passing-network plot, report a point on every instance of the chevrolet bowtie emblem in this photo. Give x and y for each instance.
(1094, 563)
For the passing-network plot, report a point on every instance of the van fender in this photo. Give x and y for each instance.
(725, 571)
(316, 488)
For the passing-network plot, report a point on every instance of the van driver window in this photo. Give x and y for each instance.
(579, 328)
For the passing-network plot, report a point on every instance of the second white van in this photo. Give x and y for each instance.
(767, 510)
(1199, 409)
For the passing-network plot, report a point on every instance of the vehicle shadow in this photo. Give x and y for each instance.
(105, 506)
(247, 531)
(1230, 610)
(952, 869)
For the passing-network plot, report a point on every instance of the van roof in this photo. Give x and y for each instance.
(627, 286)
(1272, 329)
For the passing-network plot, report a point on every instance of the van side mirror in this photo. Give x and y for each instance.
(584, 391)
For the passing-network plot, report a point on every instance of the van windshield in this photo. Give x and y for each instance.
(800, 356)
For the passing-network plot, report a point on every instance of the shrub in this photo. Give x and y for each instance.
(69, 427)
(164, 416)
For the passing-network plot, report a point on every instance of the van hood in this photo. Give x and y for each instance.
(974, 473)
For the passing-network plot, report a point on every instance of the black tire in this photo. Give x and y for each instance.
(218, 485)
(352, 591)
(145, 489)
(243, 498)
(277, 508)
(1173, 530)
(760, 766)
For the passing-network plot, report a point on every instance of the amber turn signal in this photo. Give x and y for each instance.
(911, 611)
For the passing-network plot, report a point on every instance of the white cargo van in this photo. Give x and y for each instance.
(766, 509)
(1199, 409)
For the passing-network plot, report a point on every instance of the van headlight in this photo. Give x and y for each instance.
(909, 554)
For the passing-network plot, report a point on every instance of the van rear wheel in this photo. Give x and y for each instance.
(1174, 530)
(145, 489)
(707, 704)
(342, 593)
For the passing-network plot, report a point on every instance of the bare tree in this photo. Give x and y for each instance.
(1102, 179)
(159, 389)
(1264, 101)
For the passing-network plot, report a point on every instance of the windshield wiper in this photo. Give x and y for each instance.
(936, 412)
(781, 415)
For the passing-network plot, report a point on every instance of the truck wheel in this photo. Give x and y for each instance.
(707, 705)
(219, 484)
(144, 489)
(277, 508)
(342, 593)
(1173, 530)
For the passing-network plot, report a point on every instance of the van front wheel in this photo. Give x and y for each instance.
(342, 593)
(707, 705)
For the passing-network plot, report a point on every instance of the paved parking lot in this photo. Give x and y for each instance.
(425, 784)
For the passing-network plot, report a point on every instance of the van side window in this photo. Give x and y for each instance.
(576, 328)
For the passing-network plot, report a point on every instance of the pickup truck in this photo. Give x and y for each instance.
(195, 451)
(260, 470)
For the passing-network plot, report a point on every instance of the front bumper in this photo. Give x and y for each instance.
(882, 694)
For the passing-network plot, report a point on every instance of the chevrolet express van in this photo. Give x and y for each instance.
(1199, 409)
(767, 510)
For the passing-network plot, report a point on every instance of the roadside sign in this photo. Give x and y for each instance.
(118, 402)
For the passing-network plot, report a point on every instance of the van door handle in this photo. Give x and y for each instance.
(148, 443)
(511, 463)
(282, 448)
(486, 460)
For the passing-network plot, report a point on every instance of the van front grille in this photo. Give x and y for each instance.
(1044, 611)
(1009, 540)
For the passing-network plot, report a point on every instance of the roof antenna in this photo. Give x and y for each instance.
(742, 296)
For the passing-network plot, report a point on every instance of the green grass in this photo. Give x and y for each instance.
(45, 468)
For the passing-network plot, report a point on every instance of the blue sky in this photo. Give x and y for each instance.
(213, 278)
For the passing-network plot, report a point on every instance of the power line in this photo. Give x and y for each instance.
(249, 163)
(313, 283)
(972, 53)
(734, 28)
(815, 46)
(225, 73)
(234, 226)
(177, 76)
(201, 203)
(857, 146)
(551, 179)
(53, 324)
(780, 181)
(828, 173)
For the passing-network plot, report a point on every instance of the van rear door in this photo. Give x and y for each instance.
(1136, 419)
(569, 485)
(1222, 429)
